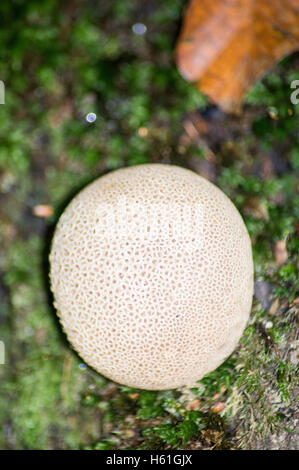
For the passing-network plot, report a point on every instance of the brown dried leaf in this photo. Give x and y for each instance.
(256, 208)
(194, 405)
(134, 396)
(225, 46)
(274, 307)
(43, 210)
(218, 407)
(280, 252)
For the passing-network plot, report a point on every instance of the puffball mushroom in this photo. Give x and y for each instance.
(152, 275)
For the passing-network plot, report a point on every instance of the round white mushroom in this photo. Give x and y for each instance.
(152, 275)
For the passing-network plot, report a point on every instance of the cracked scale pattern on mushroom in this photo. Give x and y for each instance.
(152, 275)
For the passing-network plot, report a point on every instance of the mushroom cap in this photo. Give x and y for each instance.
(152, 276)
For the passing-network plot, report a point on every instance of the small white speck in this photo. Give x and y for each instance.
(90, 117)
(139, 29)
(268, 325)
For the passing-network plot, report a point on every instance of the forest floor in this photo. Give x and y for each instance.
(59, 62)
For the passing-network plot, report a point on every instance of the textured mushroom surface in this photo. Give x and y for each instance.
(152, 275)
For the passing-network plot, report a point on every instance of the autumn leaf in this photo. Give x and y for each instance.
(256, 208)
(43, 210)
(280, 252)
(194, 405)
(218, 407)
(225, 46)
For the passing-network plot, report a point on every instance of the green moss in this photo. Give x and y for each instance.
(178, 435)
